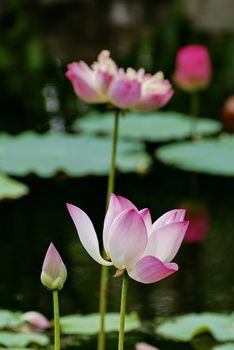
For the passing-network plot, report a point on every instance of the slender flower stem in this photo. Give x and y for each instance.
(123, 311)
(56, 320)
(194, 111)
(111, 177)
(104, 271)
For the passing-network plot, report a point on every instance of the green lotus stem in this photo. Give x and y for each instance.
(111, 177)
(194, 110)
(123, 311)
(104, 270)
(56, 320)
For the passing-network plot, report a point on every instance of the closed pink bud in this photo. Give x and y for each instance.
(54, 272)
(193, 68)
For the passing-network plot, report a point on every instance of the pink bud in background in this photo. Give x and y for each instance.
(198, 216)
(91, 84)
(145, 346)
(36, 320)
(193, 68)
(54, 272)
(155, 93)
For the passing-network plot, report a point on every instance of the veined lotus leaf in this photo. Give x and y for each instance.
(156, 126)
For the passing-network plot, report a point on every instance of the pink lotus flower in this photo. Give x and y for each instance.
(131, 241)
(155, 92)
(145, 346)
(193, 68)
(104, 82)
(125, 88)
(54, 272)
(91, 84)
(139, 91)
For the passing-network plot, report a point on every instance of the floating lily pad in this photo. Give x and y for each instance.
(11, 189)
(21, 340)
(184, 328)
(47, 154)
(89, 324)
(155, 127)
(10, 319)
(212, 156)
(229, 346)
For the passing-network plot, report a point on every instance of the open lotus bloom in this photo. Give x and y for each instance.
(193, 68)
(145, 346)
(131, 241)
(104, 82)
(139, 90)
(91, 84)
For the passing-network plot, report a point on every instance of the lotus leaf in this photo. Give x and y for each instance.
(10, 319)
(154, 127)
(47, 154)
(21, 340)
(11, 189)
(89, 324)
(211, 156)
(184, 328)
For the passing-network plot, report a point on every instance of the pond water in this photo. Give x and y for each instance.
(205, 281)
(39, 39)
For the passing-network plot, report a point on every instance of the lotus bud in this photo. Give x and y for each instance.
(36, 320)
(193, 68)
(54, 272)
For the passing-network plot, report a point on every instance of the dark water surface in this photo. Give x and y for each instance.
(205, 281)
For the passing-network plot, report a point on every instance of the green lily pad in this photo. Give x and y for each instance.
(154, 127)
(228, 346)
(10, 319)
(184, 328)
(76, 155)
(21, 340)
(212, 156)
(11, 189)
(89, 324)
